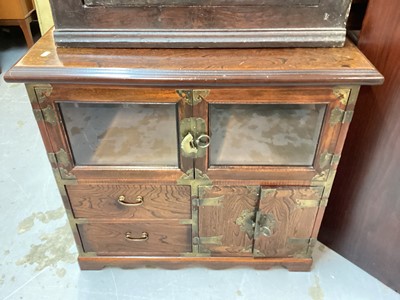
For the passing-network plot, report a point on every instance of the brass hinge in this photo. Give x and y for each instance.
(38, 115)
(61, 157)
(328, 159)
(340, 116)
(307, 246)
(193, 97)
(213, 201)
(211, 240)
(61, 161)
(304, 203)
(49, 115)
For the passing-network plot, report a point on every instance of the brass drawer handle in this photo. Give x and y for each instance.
(139, 201)
(144, 237)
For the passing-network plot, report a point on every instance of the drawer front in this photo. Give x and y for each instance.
(150, 238)
(130, 201)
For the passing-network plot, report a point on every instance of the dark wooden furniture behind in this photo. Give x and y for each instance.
(362, 220)
(183, 157)
(200, 23)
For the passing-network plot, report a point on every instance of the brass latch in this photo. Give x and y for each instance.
(194, 141)
(190, 146)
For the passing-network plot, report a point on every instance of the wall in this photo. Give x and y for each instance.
(44, 15)
(362, 220)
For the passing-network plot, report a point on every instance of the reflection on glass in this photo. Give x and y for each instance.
(274, 134)
(122, 134)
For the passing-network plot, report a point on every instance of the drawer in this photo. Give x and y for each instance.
(147, 238)
(130, 201)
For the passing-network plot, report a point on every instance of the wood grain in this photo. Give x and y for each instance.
(101, 201)
(222, 220)
(272, 95)
(362, 219)
(165, 238)
(193, 67)
(290, 220)
(173, 263)
(210, 24)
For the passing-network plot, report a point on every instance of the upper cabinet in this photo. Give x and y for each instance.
(200, 23)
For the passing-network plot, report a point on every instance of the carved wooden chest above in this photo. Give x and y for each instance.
(200, 23)
(177, 157)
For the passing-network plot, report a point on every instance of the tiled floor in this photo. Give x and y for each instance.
(38, 256)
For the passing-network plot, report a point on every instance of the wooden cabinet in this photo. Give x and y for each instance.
(18, 13)
(176, 158)
(200, 23)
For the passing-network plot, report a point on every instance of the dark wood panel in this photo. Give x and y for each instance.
(362, 219)
(97, 262)
(284, 222)
(224, 216)
(212, 24)
(193, 67)
(164, 238)
(156, 202)
(129, 3)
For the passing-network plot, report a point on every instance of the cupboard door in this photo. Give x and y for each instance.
(285, 221)
(270, 135)
(226, 218)
(110, 132)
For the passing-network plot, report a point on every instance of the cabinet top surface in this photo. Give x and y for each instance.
(194, 67)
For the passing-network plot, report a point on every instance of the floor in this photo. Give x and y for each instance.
(38, 256)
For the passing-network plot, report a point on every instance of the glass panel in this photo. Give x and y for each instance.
(122, 134)
(273, 134)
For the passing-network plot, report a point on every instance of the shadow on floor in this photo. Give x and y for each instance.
(12, 41)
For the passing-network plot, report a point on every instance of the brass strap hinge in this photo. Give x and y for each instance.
(304, 203)
(211, 240)
(38, 115)
(306, 246)
(339, 115)
(49, 115)
(213, 201)
(61, 161)
(193, 97)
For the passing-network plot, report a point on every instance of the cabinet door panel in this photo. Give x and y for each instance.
(285, 221)
(270, 136)
(116, 132)
(226, 216)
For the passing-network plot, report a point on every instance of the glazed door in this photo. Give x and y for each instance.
(275, 134)
(257, 221)
(124, 133)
